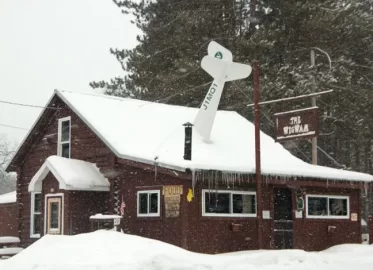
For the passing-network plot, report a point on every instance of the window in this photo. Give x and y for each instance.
(35, 216)
(64, 137)
(321, 206)
(148, 203)
(228, 203)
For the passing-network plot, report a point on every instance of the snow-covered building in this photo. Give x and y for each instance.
(88, 154)
(8, 214)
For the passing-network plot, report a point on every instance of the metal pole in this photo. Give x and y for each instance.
(258, 175)
(313, 104)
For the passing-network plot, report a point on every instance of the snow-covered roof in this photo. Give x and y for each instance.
(72, 174)
(10, 197)
(152, 133)
(148, 132)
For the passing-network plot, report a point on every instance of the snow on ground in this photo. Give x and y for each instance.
(107, 250)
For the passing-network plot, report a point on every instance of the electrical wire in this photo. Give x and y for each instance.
(9, 126)
(27, 105)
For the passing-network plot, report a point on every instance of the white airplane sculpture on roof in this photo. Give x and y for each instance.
(218, 63)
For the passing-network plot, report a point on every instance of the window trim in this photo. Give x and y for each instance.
(32, 214)
(231, 192)
(158, 192)
(328, 216)
(59, 142)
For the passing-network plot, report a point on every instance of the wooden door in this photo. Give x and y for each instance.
(54, 216)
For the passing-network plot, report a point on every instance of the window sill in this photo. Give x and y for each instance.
(229, 215)
(148, 216)
(35, 236)
(328, 217)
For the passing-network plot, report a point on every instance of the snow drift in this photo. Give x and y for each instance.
(115, 251)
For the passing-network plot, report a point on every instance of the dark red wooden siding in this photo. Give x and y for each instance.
(8, 219)
(85, 145)
(313, 234)
(190, 230)
(82, 205)
(214, 234)
(169, 230)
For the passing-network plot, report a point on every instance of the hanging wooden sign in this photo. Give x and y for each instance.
(172, 200)
(172, 190)
(297, 124)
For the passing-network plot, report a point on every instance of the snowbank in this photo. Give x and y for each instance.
(115, 251)
(10, 197)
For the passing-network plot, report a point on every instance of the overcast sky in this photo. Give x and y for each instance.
(55, 44)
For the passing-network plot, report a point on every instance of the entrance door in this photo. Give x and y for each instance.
(283, 218)
(54, 215)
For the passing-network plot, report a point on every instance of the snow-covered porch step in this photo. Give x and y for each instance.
(9, 240)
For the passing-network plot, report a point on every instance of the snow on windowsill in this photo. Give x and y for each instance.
(103, 216)
(9, 239)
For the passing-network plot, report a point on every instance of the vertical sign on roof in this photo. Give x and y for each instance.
(218, 63)
(297, 124)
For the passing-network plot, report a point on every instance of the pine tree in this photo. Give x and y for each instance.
(165, 66)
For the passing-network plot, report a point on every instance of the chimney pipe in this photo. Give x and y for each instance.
(188, 141)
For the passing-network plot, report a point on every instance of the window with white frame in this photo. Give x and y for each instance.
(228, 203)
(148, 203)
(35, 216)
(64, 137)
(325, 206)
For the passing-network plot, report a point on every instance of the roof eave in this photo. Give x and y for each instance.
(91, 188)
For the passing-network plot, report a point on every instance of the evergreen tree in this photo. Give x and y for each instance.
(165, 66)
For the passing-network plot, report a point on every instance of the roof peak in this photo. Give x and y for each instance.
(94, 94)
(145, 102)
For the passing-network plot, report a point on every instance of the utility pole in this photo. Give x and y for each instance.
(258, 174)
(313, 104)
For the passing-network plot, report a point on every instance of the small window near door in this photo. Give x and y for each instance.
(321, 206)
(148, 203)
(228, 203)
(64, 137)
(35, 222)
(54, 216)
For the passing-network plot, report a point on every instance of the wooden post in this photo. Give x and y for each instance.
(370, 227)
(258, 174)
(313, 104)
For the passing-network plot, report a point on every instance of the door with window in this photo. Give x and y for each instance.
(54, 216)
(283, 218)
